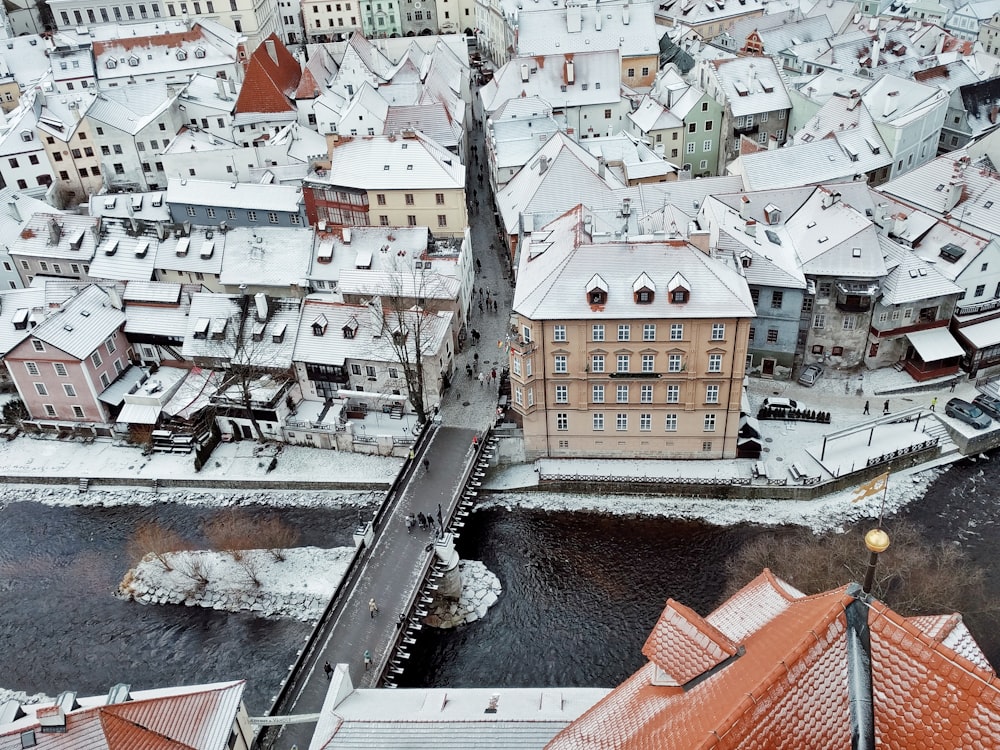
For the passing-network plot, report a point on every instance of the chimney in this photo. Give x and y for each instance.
(543, 164)
(55, 232)
(597, 18)
(745, 207)
(221, 85)
(570, 73)
(876, 45)
(524, 72)
(750, 228)
(701, 239)
(899, 224)
(260, 301)
(600, 167)
(271, 50)
(939, 45)
(954, 195)
(375, 310)
(114, 297)
(625, 14)
(14, 211)
(574, 18)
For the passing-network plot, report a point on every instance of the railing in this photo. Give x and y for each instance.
(595, 478)
(899, 453)
(990, 304)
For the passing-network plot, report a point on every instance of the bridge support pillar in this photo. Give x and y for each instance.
(450, 585)
(364, 533)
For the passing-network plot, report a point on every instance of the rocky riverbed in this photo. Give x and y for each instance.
(480, 591)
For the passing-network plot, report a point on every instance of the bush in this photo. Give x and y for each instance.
(156, 540)
(14, 411)
(231, 531)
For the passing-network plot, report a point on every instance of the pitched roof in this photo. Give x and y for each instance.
(82, 324)
(787, 684)
(270, 83)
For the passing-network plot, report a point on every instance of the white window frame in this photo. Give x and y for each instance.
(598, 421)
(559, 333)
(676, 331)
(649, 331)
(648, 362)
(562, 394)
(622, 362)
(646, 393)
(560, 364)
(597, 393)
(718, 331)
(714, 363)
(597, 363)
(621, 393)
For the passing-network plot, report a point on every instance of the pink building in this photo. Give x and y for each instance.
(70, 357)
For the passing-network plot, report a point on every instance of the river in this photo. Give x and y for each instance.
(581, 592)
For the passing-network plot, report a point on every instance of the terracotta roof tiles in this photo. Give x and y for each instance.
(684, 646)
(270, 82)
(790, 687)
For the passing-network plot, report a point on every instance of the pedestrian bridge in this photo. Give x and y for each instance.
(400, 568)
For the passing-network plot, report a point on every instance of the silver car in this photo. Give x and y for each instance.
(968, 413)
(810, 374)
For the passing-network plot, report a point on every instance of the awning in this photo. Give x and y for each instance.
(114, 394)
(139, 414)
(935, 344)
(982, 334)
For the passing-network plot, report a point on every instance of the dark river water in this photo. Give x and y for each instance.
(581, 593)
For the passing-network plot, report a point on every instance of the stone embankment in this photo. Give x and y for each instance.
(480, 591)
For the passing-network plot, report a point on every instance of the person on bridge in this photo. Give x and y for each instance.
(372, 608)
(427, 465)
(368, 659)
(422, 520)
(329, 670)
(409, 523)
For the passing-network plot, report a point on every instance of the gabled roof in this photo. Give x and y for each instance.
(316, 74)
(832, 238)
(910, 277)
(82, 323)
(792, 681)
(751, 85)
(200, 717)
(270, 84)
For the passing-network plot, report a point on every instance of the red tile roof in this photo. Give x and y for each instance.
(788, 687)
(174, 39)
(270, 84)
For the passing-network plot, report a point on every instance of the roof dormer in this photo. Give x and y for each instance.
(643, 290)
(351, 328)
(679, 289)
(319, 325)
(597, 290)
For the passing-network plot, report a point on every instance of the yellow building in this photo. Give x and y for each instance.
(627, 348)
(406, 181)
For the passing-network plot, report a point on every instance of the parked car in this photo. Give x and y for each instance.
(989, 404)
(810, 374)
(779, 403)
(968, 413)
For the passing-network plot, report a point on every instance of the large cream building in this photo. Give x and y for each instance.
(627, 347)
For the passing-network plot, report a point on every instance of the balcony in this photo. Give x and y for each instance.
(747, 131)
(637, 375)
(522, 347)
(855, 296)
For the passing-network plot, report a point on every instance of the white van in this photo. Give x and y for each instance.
(779, 403)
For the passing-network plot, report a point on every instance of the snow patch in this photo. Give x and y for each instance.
(481, 589)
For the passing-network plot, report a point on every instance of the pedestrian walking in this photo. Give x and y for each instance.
(954, 382)
(495, 305)
(430, 522)
(475, 337)
(885, 407)
(400, 619)
(866, 408)
(468, 369)
(411, 454)
(368, 659)
(372, 608)
(409, 524)
(329, 670)
(934, 404)
(427, 466)
(479, 266)
(493, 374)
(422, 520)
(480, 307)
(482, 378)
(475, 358)
(475, 442)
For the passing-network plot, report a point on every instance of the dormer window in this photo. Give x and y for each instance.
(351, 329)
(597, 290)
(111, 64)
(199, 52)
(133, 61)
(679, 289)
(26, 135)
(182, 55)
(643, 290)
(319, 325)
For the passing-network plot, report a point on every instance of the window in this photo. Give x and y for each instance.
(718, 331)
(621, 394)
(411, 220)
(709, 425)
(230, 213)
(562, 420)
(597, 333)
(597, 363)
(670, 423)
(40, 389)
(711, 394)
(676, 331)
(819, 321)
(526, 334)
(755, 297)
(673, 394)
(559, 333)
(623, 360)
(607, 114)
(409, 199)
(706, 145)
(647, 362)
(624, 332)
(439, 199)
(673, 363)
(60, 369)
(69, 389)
(370, 371)
(383, 220)
(355, 369)
(980, 289)
(561, 363)
(706, 446)
(715, 363)
(690, 148)
(631, 73)
(516, 366)
(807, 305)
(646, 394)
(272, 217)
(598, 421)
(31, 367)
(251, 216)
(776, 299)
(772, 335)
(50, 410)
(645, 422)
(96, 359)
(190, 211)
(597, 394)
(850, 322)
(442, 220)
(518, 396)
(531, 397)
(621, 421)
(562, 394)
(649, 332)
(824, 289)
(110, 346)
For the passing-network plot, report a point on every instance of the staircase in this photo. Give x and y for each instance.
(84, 485)
(934, 428)
(396, 412)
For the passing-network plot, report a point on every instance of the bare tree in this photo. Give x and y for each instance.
(913, 576)
(276, 536)
(232, 532)
(251, 566)
(156, 540)
(406, 312)
(196, 567)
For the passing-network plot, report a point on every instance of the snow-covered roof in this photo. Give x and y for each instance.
(835, 239)
(82, 324)
(266, 256)
(234, 194)
(148, 206)
(910, 277)
(558, 261)
(64, 236)
(751, 85)
(567, 28)
(392, 163)
(183, 253)
(595, 79)
(214, 320)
